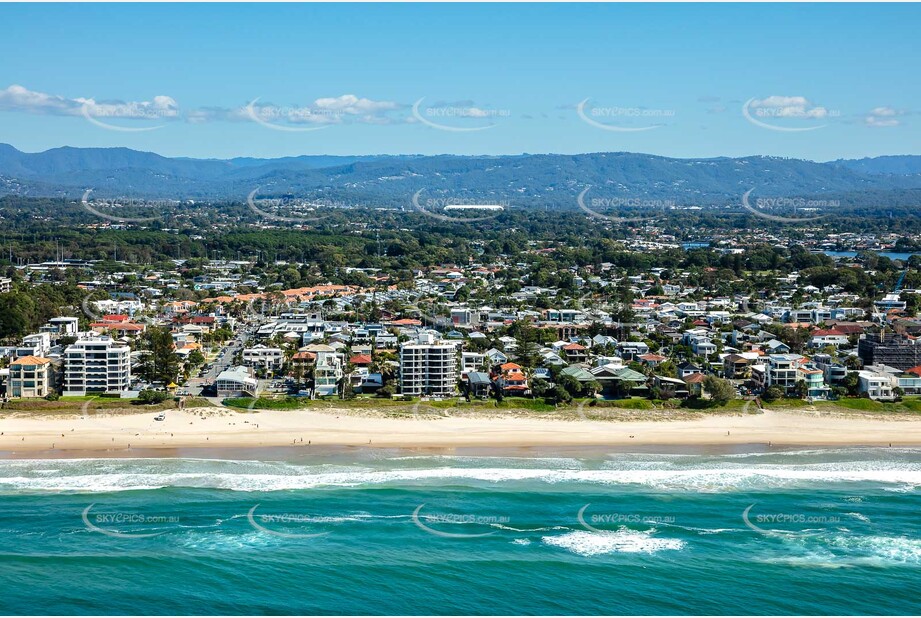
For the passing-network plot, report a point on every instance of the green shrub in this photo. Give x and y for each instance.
(152, 397)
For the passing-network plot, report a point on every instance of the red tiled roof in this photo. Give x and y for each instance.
(31, 360)
(407, 322)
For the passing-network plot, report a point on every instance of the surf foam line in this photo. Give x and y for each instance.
(696, 479)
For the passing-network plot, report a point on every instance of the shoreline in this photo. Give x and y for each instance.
(214, 429)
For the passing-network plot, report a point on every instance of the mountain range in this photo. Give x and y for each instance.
(546, 180)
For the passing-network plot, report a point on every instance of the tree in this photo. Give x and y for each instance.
(559, 395)
(721, 391)
(386, 391)
(852, 383)
(160, 362)
(151, 397)
(772, 393)
(539, 387)
(570, 384)
(196, 358)
(591, 388)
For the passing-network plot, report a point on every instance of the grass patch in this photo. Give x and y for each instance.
(266, 403)
(79, 405)
(634, 403)
(521, 403)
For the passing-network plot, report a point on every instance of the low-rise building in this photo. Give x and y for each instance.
(479, 385)
(236, 382)
(264, 357)
(875, 385)
(31, 376)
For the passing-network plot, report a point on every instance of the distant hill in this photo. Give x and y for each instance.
(891, 164)
(524, 180)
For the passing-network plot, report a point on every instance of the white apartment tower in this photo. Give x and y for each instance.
(428, 367)
(96, 365)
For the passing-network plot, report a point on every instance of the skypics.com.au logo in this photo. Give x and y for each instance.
(618, 118)
(291, 210)
(787, 114)
(126, 210)
(461, 117)
(592, 206)
(784, 204)
(292, 119)
(787, 524)
(438, 524)
(126, 524)
(458, 209)
(619, 519)
(285, 525)
(101, 114)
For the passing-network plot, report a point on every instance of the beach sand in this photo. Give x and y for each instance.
(225, 428)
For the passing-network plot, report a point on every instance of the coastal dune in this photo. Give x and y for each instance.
(223, 427)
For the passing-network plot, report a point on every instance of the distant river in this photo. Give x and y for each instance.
(889, 254)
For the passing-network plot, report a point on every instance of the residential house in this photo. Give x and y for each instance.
(511, 380)
(479, 385)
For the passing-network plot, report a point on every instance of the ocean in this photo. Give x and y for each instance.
(364, 531)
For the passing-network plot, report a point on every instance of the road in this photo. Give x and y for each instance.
(221, 360)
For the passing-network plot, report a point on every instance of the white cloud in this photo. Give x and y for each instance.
(788, 107)
(347, 108)
(884, 111)
(883, 117)
(352, 105)
(20, 99)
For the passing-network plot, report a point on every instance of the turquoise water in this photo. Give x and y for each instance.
(892, 255)
(385, 532)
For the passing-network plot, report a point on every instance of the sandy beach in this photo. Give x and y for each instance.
(223, 427)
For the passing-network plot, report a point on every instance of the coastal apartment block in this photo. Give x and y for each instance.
(96, 365)
(428, 367)
(899, 351)
(264, 357)
(31, 376)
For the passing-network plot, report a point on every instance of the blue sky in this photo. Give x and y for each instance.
(811, 81)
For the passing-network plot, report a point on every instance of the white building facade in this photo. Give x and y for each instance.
(428, 367)
(96, 365)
